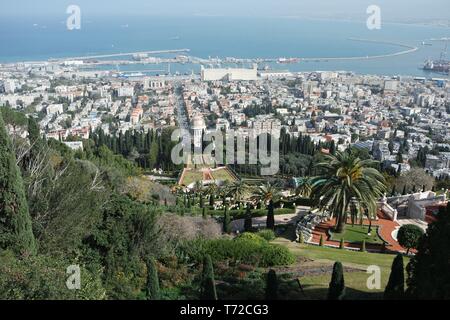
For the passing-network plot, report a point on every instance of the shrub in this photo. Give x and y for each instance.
(247, 248)
(409, 236)
(267, 234)
(251, 236)
(275, 255)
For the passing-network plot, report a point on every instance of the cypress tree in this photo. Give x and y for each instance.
(394, 191)
(226, 221)
(272, 285)
(363, 246)
(33, 131)
(152, 280)
(208, 287)
(211, 200)
(301, 238)
(248, 219)
(336, 290)
(16, 231)
(404, 190)
(321, 240)
(341, 244)
(395, 288)
(270, 223)
(202, 204)
(204, 213)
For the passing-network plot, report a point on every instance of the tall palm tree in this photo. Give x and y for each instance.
(345, 176)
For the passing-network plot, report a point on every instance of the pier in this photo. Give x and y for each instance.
(103, 56)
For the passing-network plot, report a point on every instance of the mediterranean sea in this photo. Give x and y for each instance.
(31, 39)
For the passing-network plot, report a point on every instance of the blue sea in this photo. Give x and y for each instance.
(29, 39)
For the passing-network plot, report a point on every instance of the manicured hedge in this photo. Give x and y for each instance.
(248, 248)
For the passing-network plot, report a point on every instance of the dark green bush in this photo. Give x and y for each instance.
(249, 249)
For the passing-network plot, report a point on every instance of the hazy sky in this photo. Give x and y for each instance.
(392, 10)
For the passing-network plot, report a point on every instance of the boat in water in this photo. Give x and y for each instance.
(441, 66)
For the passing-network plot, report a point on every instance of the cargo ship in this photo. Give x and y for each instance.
(288, 60)
(441, 66)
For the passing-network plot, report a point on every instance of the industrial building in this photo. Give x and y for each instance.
(229, 74)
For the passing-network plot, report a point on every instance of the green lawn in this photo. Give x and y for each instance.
(316, 286)
(191, 176)
(223, 175)
(357, 234)
(349, 257)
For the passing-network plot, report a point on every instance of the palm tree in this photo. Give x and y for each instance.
(304, 188)
(345, 176)
(238, 191)
(198, 187)
(266, 193)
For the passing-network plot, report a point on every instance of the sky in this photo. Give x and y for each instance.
(392, 10)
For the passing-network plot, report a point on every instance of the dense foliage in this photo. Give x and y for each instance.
(428, 276)
(15, 224)
(254, 251)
